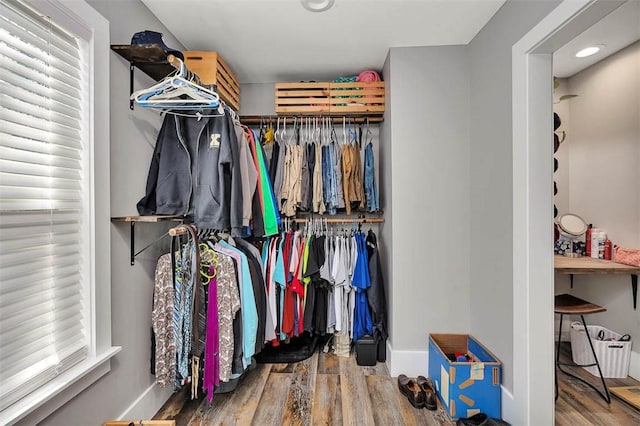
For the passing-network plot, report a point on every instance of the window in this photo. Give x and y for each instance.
(48, 322)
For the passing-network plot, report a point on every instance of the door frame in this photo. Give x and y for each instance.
(533, 276)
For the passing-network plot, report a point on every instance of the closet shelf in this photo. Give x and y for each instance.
(148, 219)
(132, 220)
(149, 58)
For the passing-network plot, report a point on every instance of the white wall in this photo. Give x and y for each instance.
(385, 187)
(257, 99)
(604, 182)
(129, 388)
(491, 242)
(429, 142)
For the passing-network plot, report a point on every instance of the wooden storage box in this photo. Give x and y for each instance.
(212, 69)
(465, 388)
(330, 98)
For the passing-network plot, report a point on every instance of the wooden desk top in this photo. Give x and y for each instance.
(589, 265)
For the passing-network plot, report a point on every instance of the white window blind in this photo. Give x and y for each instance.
(43, 202)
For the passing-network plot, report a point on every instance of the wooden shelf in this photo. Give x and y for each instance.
(587, 265)
(148, 219)
(149, 58)
(132, 220)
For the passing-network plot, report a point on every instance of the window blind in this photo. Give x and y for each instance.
(42, 201)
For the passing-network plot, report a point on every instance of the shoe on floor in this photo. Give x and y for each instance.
(409, 388)
(481, 419)
(426, 386)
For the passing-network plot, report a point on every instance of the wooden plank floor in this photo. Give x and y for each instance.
(578, 404)
(330, 390)
(321, 390)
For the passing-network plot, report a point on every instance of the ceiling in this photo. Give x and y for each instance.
(616, 31)
(267, 41)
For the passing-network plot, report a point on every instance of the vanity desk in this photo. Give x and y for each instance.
(588, 265)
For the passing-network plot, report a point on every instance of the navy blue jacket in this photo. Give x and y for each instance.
(195, 172)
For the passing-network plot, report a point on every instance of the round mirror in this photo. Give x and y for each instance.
(572, 224)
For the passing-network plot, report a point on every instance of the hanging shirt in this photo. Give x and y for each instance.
(279, 276)
(211, 375)
(370, 188)
(248, 308)
(271, 218)
(339, 278)
(337, 173)
(277, 183)
(318, 170)
(228, 300)
(162, 322)
(249, 174)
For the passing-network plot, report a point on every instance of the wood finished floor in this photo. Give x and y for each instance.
(330, 390)
(578, 404)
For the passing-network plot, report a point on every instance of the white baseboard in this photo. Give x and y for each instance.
(411, 363)
(509, 410)
(147, 404)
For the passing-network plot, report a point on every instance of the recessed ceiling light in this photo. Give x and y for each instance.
(588, 51)
(317, 5)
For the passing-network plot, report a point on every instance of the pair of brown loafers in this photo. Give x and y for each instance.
(419, 392)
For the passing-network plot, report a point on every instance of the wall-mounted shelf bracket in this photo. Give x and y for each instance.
(146, 219)
(149, 58)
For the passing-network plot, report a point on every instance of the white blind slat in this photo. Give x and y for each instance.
(9, 247)
(38, 254)
(42, 274)
(51, 71)
(55, 88)
(19, 293)
(39, 60)
(15, 97)
(65, 45)
(30, 157)
(32, 46)
(16, 75)
(43, 200)
(20, 180)
(16, 142)
(31, 132)
(22, 269)
(10, 220)
(37, 170)
(38, 118)
(25, 102)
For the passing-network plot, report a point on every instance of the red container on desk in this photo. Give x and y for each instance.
(588, 240)
(607, 249)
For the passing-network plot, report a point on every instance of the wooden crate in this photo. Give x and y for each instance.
(302, 98)
(357, 98)
(330, 98)
(212, 69)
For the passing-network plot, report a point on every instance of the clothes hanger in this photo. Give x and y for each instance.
(176, 91)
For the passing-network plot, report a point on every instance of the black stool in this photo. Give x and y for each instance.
(565, 304)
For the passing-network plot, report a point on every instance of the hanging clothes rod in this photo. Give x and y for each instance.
(178, 230)
(175, 62)
(258, 119)
(181, 229)
(342, 220)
